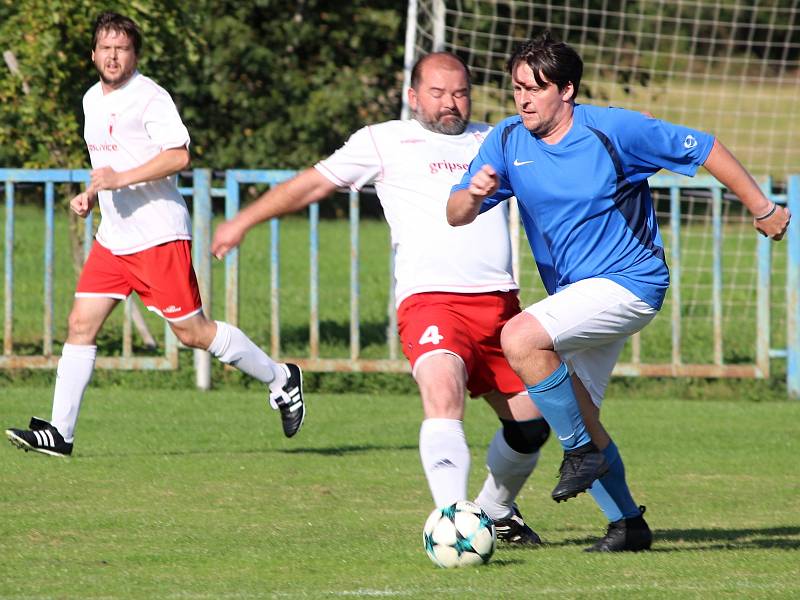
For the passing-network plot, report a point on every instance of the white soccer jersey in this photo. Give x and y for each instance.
(125, 129)
(413, 169)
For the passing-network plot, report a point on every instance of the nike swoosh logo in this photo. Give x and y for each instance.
(519, 163)
(564, 439)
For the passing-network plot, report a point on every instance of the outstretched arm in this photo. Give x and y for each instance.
(463, 206)
(769, 219)
(287, 197)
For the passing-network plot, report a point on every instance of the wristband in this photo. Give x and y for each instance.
(769, 213)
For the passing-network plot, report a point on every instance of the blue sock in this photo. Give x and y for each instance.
(611, 491)
(555, 399)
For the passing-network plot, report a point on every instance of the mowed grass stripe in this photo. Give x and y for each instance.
(182, 494)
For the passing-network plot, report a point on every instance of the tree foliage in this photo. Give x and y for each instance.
(281, 84)
(41, 117)
(264, 83)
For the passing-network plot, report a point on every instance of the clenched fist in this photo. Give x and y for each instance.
(484, 182)
(83, 203)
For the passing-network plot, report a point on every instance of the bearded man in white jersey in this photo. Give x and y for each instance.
(137, 143)
(454, 290)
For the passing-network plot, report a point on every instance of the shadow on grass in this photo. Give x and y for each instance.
(344, 450)
(787, 538)
(334, 451)
(504, 562)
(681, 540)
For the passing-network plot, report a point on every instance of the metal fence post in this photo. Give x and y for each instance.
(201, 251)
(8, 314)
(793, 291)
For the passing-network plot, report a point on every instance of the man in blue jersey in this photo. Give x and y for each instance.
(580, 174)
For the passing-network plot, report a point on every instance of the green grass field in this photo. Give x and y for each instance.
(175, 493)
(188, 495)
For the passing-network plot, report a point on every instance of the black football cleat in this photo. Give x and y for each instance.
(513, 530)
(289, 400)
(41, 437)
(580, 468)
(626, 535)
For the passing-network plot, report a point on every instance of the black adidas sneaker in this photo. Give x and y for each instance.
(289, 400)
(41, 437)
(513, 530)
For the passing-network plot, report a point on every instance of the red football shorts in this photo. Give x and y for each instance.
(467, 325)
(162, 276)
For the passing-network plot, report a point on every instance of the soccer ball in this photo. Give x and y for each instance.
(459, 535)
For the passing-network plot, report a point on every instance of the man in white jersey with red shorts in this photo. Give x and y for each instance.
(454, 289)
(137, 143)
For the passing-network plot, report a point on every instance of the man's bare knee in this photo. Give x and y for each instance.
(516, 341)
(85, 320)
(77, 324)
(191, 337)
(195, 332)
(442, 385)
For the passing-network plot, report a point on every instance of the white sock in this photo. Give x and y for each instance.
(508, 471)
(74, 372)
(445, 459)
(234, 348)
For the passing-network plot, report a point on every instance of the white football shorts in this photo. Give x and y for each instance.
(589, 322)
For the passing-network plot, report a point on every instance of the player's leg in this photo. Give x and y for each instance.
(529, 349)
(73, 374)
(99, 289)
(514, 450)
(437, 344)
(231, 346)
(627, 528)
(591, 414)
(166, 282)
(443, 449)
(511, 458)
(589, 313)
(76, 365)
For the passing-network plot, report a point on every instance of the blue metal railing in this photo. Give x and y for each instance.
(49, 178)
(202, 191)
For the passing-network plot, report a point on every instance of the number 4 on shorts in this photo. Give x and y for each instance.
(430, 336)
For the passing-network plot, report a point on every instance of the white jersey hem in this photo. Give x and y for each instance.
(510, 286)
(143, 245)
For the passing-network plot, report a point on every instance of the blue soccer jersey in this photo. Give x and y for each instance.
(585, 202)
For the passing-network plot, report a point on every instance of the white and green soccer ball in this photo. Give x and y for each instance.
(459, 535)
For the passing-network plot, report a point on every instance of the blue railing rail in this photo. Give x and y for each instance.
(675, 185)
(202, 190)
(49, 178)
(233, 180)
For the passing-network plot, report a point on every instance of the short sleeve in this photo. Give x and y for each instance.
(649, 144)
(163, 123)
(355, 164)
